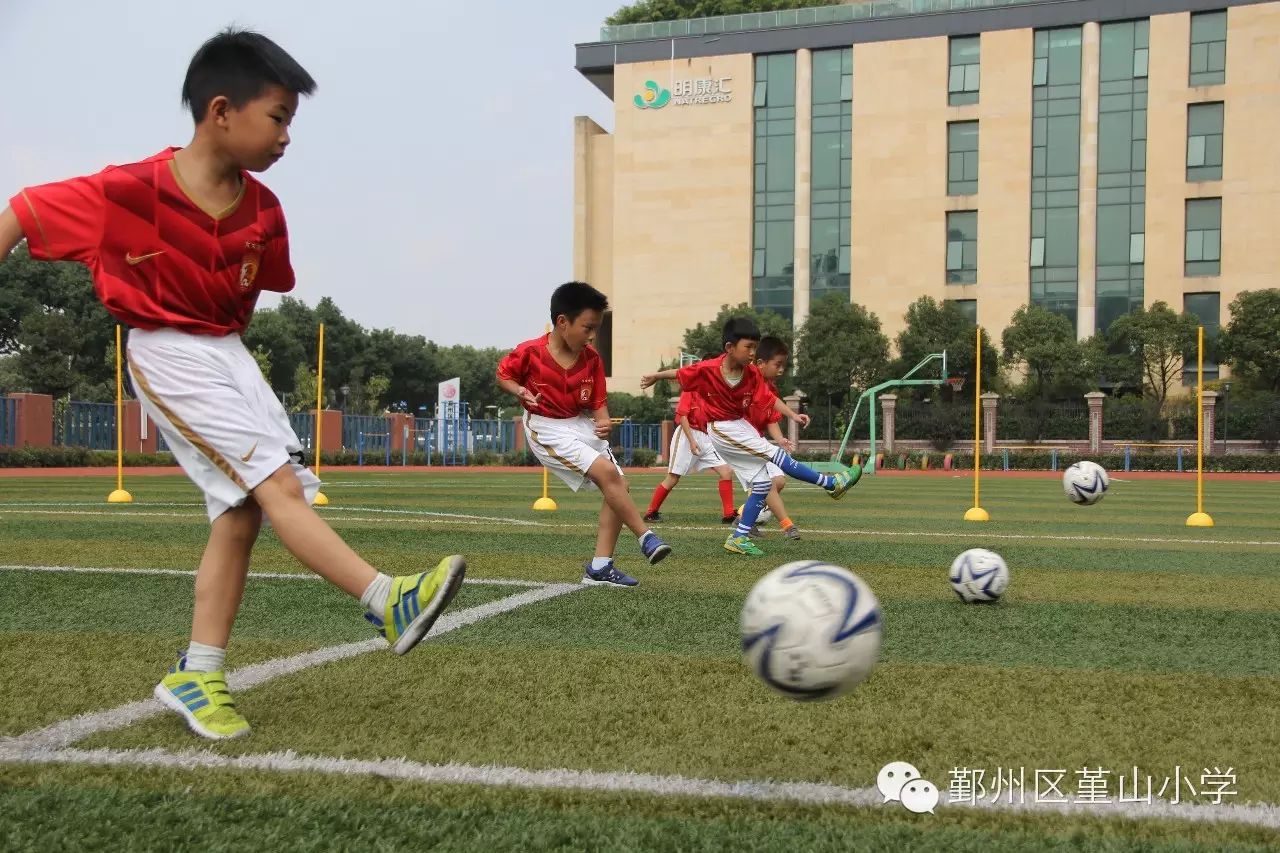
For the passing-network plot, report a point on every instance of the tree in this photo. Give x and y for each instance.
(840, 346)
(1157, 338)
(1251, 341)
(936, 326)
(647, 11)
(272, 333)
(1044, 345)
(706, 339)
(46, 343)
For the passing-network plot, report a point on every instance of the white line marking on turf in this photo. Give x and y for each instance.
(477, 520)
(67, 732)
(281, 576)
(1253, 814)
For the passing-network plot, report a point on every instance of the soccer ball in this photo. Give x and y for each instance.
(811, 630)
(765, 516)
(979, 575)
(1085, 482)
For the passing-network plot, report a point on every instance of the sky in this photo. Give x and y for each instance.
(429, 183)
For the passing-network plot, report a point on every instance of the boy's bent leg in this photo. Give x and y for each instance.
(613, 486)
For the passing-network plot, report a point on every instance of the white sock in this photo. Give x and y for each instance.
(600, 562)
(202, 658)
(640, 538)
(376, 594)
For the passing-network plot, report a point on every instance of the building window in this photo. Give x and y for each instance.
(962, 247)
(1055, 170)
(964, 74)
(1120, 237)
(1206, 308)
(831, 199)
(1204, 236)
(967, 307)
(1209, 48)
(962, 158)
(773, 232)
(1204, 142)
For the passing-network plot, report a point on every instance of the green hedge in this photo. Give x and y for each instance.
(78, 457)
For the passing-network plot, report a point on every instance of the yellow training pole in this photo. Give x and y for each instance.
(119, 496)
(545, 503)
(976, 512)
(1199, 518)
(321, 499)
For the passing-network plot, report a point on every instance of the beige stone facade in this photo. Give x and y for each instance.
(664, 203)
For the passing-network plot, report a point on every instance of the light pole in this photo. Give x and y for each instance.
(1226, 403)
(344, 389)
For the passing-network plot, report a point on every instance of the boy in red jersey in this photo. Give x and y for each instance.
(559, 379)
(771, 360)
(729, 384)
(180, 245)
(692, 451)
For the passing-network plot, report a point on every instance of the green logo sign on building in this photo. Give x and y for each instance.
(654, 97)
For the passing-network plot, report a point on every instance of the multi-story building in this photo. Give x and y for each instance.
(1089, 156)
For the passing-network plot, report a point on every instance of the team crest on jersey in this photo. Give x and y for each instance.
(250, 263)
(584, 392)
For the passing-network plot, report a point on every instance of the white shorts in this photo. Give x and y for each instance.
(567, 447)
(772, 471)
(685, 461)
(745, 450)
(221, 419)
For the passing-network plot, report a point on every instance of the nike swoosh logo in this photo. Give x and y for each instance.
(249, 455)
(134, 260)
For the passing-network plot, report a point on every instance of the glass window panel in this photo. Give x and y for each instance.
(1040, 72)
(1137, 248)
(762, 89)
(1062, 237)
(1064, 145)
(1140, 155)
(1137, 218)
(1213, 245)
(1195, 151)
(826, 76)
(1204, 213)
(1113, 234)
(846, 88)
(1140, 62)
(781, 154)
(846, 61)
(1116, 51)
(779, 247)
(1037, 251)
(955, 79)
(1209, 26)
(1204, 119)
(826, 160)
(1217, 56)
(1115, 145)
(844, 260)
(1199, 58)
(955, 255)
(964, 49)
(1038, 157)
(782, 79)
(1213, 150)
(757, 264)
(1195, 246)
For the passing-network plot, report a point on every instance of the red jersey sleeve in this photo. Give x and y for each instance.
(276, 272)
(684, 408)
(514, 365)
(693, 377)
(600, 394)
(63, 221)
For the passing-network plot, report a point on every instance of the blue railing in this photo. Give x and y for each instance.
(629, 437)
(304, 427)
(494, 436)
(354, 425)
(89, 425)
(8, 422)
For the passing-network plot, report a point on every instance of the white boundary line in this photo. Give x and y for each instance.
(1251, 814)
(426, 517)
(279, 576)
(67, 732)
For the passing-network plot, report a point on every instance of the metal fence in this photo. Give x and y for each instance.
(8, 422)
(629, 437)
(494, 436)
(304, 427)
(89, 425)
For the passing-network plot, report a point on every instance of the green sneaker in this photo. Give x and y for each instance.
(203, 700)
(416, 601)
(845, 481)
(742, 545)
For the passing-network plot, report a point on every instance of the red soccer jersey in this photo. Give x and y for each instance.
(724, 402)
(565, 393)
(762, 412)
(692, 407)
(159, 260)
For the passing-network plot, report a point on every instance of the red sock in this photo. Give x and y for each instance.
(659, 495)
(726, 497)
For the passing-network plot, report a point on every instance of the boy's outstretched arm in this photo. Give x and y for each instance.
(10, 232)
(649, 379)
(787, 411)
(518, 391)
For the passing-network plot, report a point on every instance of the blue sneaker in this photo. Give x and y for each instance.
(608, 576)
(654, 549)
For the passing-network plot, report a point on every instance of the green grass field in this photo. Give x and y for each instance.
(607, 719)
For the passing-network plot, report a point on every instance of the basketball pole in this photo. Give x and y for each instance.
(119, 496)
(321, 499)
(545, 503)
(976, 512)
(1199, 518)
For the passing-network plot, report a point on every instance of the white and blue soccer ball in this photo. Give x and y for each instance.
(979, 575)
(811, 630)
(1085, 482)
(765, 516)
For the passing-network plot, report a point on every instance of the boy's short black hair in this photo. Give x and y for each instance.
(770, 348)
(740, 328)
(240, 64)
(574, 297)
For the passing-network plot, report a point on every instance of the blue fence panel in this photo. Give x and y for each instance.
(373, 448)
(304, 427)
(354, 425)
(8, 422)
(494, 436)
(90, 425)
(628, 437)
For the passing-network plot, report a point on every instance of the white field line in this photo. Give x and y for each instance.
(428, 517)
(65, 733)
(279, 576)
(1252, 814)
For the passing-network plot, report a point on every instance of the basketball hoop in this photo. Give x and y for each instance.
(956, 383)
